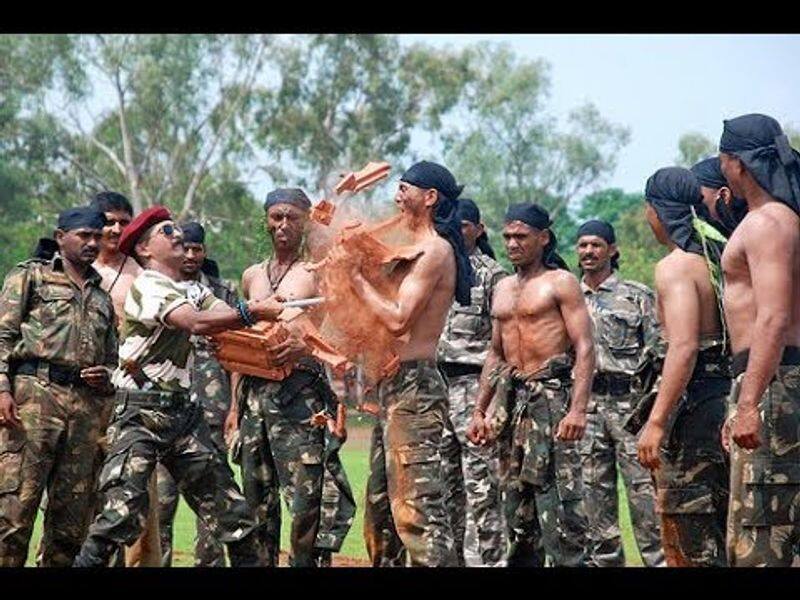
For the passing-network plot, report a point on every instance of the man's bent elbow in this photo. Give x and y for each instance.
(772, 325)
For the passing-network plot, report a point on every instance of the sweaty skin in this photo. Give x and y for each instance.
(537, 314)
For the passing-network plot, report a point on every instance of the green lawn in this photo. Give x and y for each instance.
(355, 458)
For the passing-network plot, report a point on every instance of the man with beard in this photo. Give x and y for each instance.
(541, 328)
(405, 519)
(625, 331)
(154, 418)
(57, 345)
(726, 211)
(477, 510)
(762, 308)
(211, 388)
(681, 440)
(281, 448)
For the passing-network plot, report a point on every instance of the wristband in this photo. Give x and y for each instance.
(244, 314)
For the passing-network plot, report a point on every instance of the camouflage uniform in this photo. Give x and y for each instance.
(692, 482)
(623, 318)
(211, 389)
(405, 520)
(462, 351)
(154, 420)
(46, 319)
(544, 507)
(282, 451)
(764, 521)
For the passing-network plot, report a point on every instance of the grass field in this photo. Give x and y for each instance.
(355, 458)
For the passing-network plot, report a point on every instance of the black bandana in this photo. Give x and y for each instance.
(469, 211)
(538, 218)
(210, 268)
(759, 142)
(604, 230)
(193, 233)
(428, 175)
(294, 196)
(83, 216)
(709, 174)
(672, 192)
(46, 248)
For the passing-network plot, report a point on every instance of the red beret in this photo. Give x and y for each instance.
(144, 221)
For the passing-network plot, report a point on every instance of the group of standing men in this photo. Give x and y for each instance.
(518, 400)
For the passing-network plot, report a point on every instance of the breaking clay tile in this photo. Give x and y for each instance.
(391, 368)
(248, 351)
(322, 213)
(360, 180)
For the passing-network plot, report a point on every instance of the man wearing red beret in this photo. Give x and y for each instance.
(154, 419)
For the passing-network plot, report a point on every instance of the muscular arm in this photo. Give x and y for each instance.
(493, 357)
(681, 305)
(414, 292)
(770, 260)
(219, 318)
(579, 329)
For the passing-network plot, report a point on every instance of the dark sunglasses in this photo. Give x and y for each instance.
(169, 230)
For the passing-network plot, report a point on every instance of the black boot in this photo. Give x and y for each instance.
(244, 553)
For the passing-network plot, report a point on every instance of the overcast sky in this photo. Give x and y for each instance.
(661, 86)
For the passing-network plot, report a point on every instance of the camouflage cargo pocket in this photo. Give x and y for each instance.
(771, 496)
(688, 500)
(420, 472)
(113, 469)
(311, 454)
(11, 465)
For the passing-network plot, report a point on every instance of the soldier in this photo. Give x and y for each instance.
(539, 322)
(681, 440)
(154, 418)
(762, 308)
(281, 449)
(57, 346)
(461, 353)
(625, 328)
(725, 209)
(405, 518)
(211, 388)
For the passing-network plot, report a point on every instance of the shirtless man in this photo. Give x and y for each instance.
(539, 318)
(281, 449)
(683, 445)
(761, 267)
(405, 518)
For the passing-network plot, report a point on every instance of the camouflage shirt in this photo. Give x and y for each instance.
(468, 331)
(162, 352)
(45, 315)
(625, 324)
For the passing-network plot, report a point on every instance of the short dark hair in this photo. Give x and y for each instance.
(107, 201)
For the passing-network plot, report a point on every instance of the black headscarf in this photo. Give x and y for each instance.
(604, 230)
(428, 175)
(709, 174)
(210, 268)
(759, 142)
(294, 196)
(46, 248)
(193, 233)
(82, 216)
(538, 218)
(469, 211)
(672, 192)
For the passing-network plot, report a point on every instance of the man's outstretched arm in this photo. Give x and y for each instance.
(477, 431)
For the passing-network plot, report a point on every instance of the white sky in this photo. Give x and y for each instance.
(660, 86)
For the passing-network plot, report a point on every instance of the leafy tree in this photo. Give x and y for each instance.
(694, 147)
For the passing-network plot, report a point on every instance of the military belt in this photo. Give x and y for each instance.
(452, 369)
(791, 356)
(612, 384)
(60, 374)
(154, 398)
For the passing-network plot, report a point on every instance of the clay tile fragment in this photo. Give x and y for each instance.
(322, 213)
(360, 180)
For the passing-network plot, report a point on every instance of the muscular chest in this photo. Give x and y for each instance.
(296, 284)
(734, 263)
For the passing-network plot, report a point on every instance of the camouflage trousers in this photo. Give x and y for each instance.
(210, 388)
(606, 447)
(472, 475)
(405, 521)
(764, 519)
(692, 482)
(56, 449)
(544, 504)
(282, 453)
(148, 428)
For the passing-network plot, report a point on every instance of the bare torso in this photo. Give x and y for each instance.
(687, 264)
(532, 328)
(121, 284)
(425, 331)
(739, 300)
(297, 284)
